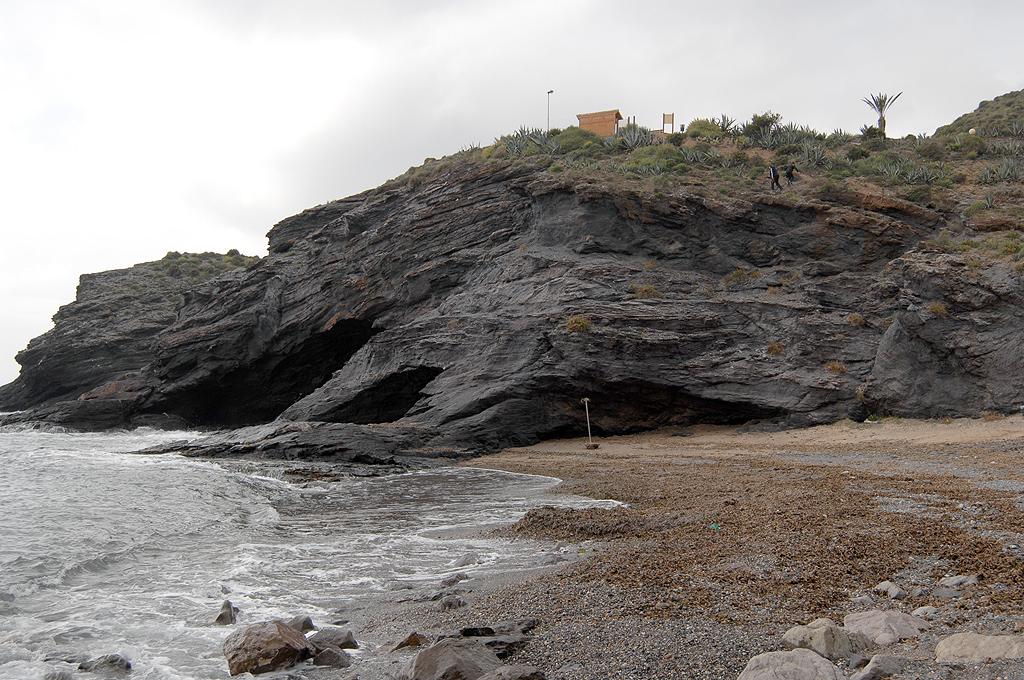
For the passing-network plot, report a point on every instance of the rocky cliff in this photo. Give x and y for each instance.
(471, 304)
(101, 342)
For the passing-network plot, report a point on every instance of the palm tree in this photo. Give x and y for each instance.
(880, 103)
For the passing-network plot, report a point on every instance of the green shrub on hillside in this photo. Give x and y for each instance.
(201, 266)
(702, 127)
(968, 146)
(760, 123)
(856, 153)
(574, 138)
(656, 160)
(871, 132)
(932, 149)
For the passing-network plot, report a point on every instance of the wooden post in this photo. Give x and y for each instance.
(586, 406)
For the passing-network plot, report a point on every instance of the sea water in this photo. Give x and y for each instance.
(104, 551)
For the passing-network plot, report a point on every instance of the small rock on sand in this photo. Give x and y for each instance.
(334, 658)
(798, 664)
(944, 593)
(452, 602)
(881, 666)
(959, 580)
(826, 638)
(334, 638)
(466, 560)
(884, 627)
(476, 631)
(928, 613)
(976, 648)
(412, 640)
(517, 672)
(453, 658)
(303, 624)
(108, 663)
(890, 589)
(449, 581)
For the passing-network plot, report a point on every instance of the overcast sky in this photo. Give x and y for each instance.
(132, 127)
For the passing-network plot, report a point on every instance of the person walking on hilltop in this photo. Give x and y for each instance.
(788, 172)
(773, 174)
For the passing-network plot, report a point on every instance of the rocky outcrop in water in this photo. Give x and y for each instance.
(472, 305)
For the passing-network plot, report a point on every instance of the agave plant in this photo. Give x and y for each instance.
(544, 140)
(892, 171)
(1008, 170)
(518, 142)
(578, 163)
(880, 103)
(1016, 129)
(814, 154)
(634, 136)
(725, 122)
(768, 138)
(1011, 148)
(922, 174)
(648, 169)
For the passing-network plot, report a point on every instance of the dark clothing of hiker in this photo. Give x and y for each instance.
(773, 173)
(790, 169)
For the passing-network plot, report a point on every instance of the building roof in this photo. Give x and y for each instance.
(618, 116)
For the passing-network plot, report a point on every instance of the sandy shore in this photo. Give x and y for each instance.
(732, 537)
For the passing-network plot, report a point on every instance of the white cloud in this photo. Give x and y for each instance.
(134, 127)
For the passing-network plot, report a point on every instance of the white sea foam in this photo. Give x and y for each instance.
(107, 552)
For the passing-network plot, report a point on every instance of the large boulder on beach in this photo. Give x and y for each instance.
(798, 664)
(885, 627)
(453, 659)
(517, 672)
(108, 664)
(977, 648)
(826, 638)
(265, 647)
(334, 638)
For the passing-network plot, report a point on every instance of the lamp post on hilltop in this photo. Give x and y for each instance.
(549, 110)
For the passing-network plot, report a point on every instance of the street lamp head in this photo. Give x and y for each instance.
(550, 91)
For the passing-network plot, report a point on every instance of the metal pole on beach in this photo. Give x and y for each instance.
(586, 406)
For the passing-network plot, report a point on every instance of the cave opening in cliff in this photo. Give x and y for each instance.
(387, 400)
(259, 391)
(636, 406)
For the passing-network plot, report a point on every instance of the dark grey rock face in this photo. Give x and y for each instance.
(101, 342)
(474, 308)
